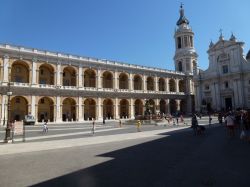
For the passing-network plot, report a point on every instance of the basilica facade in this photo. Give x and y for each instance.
(225, 85)
(63, 88)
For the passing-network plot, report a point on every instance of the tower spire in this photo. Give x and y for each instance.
(182, 18)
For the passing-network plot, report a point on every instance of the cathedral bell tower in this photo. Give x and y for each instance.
(185, 55)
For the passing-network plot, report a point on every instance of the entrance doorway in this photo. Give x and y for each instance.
(228, 103)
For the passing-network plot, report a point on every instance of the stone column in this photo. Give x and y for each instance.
(178, 104)
(58, 109)
(167, 106)
(117, 109)
(131, 85)
(80, 77)
(144, 82)
(6, 69)
(157, 106)
(177, 85)
(3, 110)
(36, 112)
(99, 108)
(116, 81)
(34, 66)
(58, 74)
(99, 79)
(33, 105)
(156, 84)
(166, 85)
(80, 117)
(132, 107)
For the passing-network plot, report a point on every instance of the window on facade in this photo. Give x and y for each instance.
(225, 69)
(206, 87)
(226, 84)
(191, 41)
(179, 42)
(185, 41)
(63, 74)
(180, 66)
(18, 100)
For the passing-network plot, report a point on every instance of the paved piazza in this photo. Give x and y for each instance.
(157, 156)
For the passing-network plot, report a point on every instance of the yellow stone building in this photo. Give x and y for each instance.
(62, 88)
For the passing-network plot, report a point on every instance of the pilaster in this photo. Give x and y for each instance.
(58, 74)
(80, 77)
(5, 69)
(34, 68)
(132, 107)
(99, 108)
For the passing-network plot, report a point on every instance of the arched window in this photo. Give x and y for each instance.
(179, 66)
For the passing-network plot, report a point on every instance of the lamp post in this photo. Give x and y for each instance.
(8, 128)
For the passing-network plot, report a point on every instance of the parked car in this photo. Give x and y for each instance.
(29, 120)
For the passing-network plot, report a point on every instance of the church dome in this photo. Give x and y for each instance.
(182, 18)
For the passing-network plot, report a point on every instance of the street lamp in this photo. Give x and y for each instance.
(8, 128)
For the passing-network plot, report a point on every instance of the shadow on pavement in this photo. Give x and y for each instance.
(180, 159)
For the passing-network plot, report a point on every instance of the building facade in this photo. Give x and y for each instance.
(225, 85)
(62, 88)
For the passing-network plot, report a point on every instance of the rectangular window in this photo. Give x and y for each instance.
(225, 69)
(179, 42)
(226, 84)
(185, 41)
(191, 41)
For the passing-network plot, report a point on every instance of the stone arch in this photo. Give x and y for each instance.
(163, 106)
(183, 106)
(108, 109)
(107, 79)
(138, 107)
(162, 84)
(173, 106)
(152, 106)
(123, 81)
(69, 109)
(172, 86)
(20, 72)
(137, 82)
(46, 74)
(182, 86)
(18, 108)
(89, 109)
(89, 78)
(69, 76)
(45, 109)
(124, 108)
(150, 83)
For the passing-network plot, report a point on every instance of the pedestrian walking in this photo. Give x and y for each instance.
(220, 118)
(45, 127)
(103, 120)
(194, 123)
(93, 128)
(230, 124)
(120, 123)
(138, 125)
(210, 120)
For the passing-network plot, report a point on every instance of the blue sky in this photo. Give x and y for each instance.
(130, 31)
